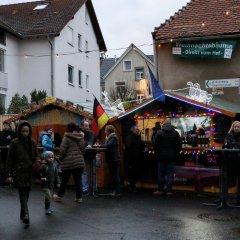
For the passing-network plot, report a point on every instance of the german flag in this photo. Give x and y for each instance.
(100, 118)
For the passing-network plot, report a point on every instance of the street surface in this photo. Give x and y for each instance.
(138, 216)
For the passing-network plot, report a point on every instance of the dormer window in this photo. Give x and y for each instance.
(40, 7)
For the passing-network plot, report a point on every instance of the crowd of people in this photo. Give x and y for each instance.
(19, 154)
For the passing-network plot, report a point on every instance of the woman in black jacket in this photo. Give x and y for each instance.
(232, 141)
(21, 155)
(134, 155)
(113, 158)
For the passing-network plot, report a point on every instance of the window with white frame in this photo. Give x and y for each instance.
(70, 35)
(2, 59)
(139, 98)
(80, 78)
(127, 65)
(86, 48)
(120, 86)
(79, 42)
(70, 74)
(87, 82)
(139, 73)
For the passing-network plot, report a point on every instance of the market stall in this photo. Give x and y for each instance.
(197, 168)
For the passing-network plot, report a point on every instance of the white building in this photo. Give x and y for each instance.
(51, 45)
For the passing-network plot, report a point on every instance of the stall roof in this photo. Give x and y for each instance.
(216, 105)
(45, 105)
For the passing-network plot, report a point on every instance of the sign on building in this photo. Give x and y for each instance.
(204, 49)
(222, 83)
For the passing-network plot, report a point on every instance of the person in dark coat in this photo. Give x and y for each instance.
(232, 141)
(134, 156)
(48, 176)
(6, 137)
(21, 156)
(167, 146)
(89, 172)
(113, 158)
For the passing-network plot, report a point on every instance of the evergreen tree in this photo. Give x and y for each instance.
(18, 104)
(37, 95)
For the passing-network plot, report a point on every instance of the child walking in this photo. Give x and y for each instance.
(49, 176)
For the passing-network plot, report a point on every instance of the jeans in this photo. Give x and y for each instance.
(89, 176)
(77, 173)
(23, 197)
(165, 176)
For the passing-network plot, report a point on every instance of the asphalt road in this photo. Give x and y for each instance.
(139, 216)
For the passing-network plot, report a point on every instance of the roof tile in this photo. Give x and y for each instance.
(220, 17)
(21, 20)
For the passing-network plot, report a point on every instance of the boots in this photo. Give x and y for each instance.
(48, 210)
(26, 219)
(22, 214)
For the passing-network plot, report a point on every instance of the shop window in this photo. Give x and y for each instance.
(139, 73)
(70, 74)
(127, 65)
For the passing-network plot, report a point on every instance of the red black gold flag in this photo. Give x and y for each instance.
(100, 118)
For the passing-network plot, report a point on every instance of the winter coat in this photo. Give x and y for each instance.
(167, 144)
(112, 152)
(72, 149)
(6, 137)
(22, 154)
(47, 143)
(134, 148)
(49, 171)
(232, 141)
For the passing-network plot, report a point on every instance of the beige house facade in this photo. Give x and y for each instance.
(129, 72)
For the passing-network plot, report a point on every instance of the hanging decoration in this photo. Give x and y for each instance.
(195, 93)
(116, 107)
(172, 115)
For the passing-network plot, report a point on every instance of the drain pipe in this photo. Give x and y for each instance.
(52, 76)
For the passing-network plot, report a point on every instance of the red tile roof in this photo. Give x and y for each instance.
(202, 19)
(45, 105)
(24, 22)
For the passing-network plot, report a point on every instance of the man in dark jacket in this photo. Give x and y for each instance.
(89, 173)
(167, 146)
(6, 137)
(134, 152)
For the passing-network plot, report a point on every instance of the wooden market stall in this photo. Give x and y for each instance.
(197, 168)
(51, 112)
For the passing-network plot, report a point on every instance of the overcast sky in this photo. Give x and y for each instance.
(129, 21)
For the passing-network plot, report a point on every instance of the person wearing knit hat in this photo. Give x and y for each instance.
(48, 176)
